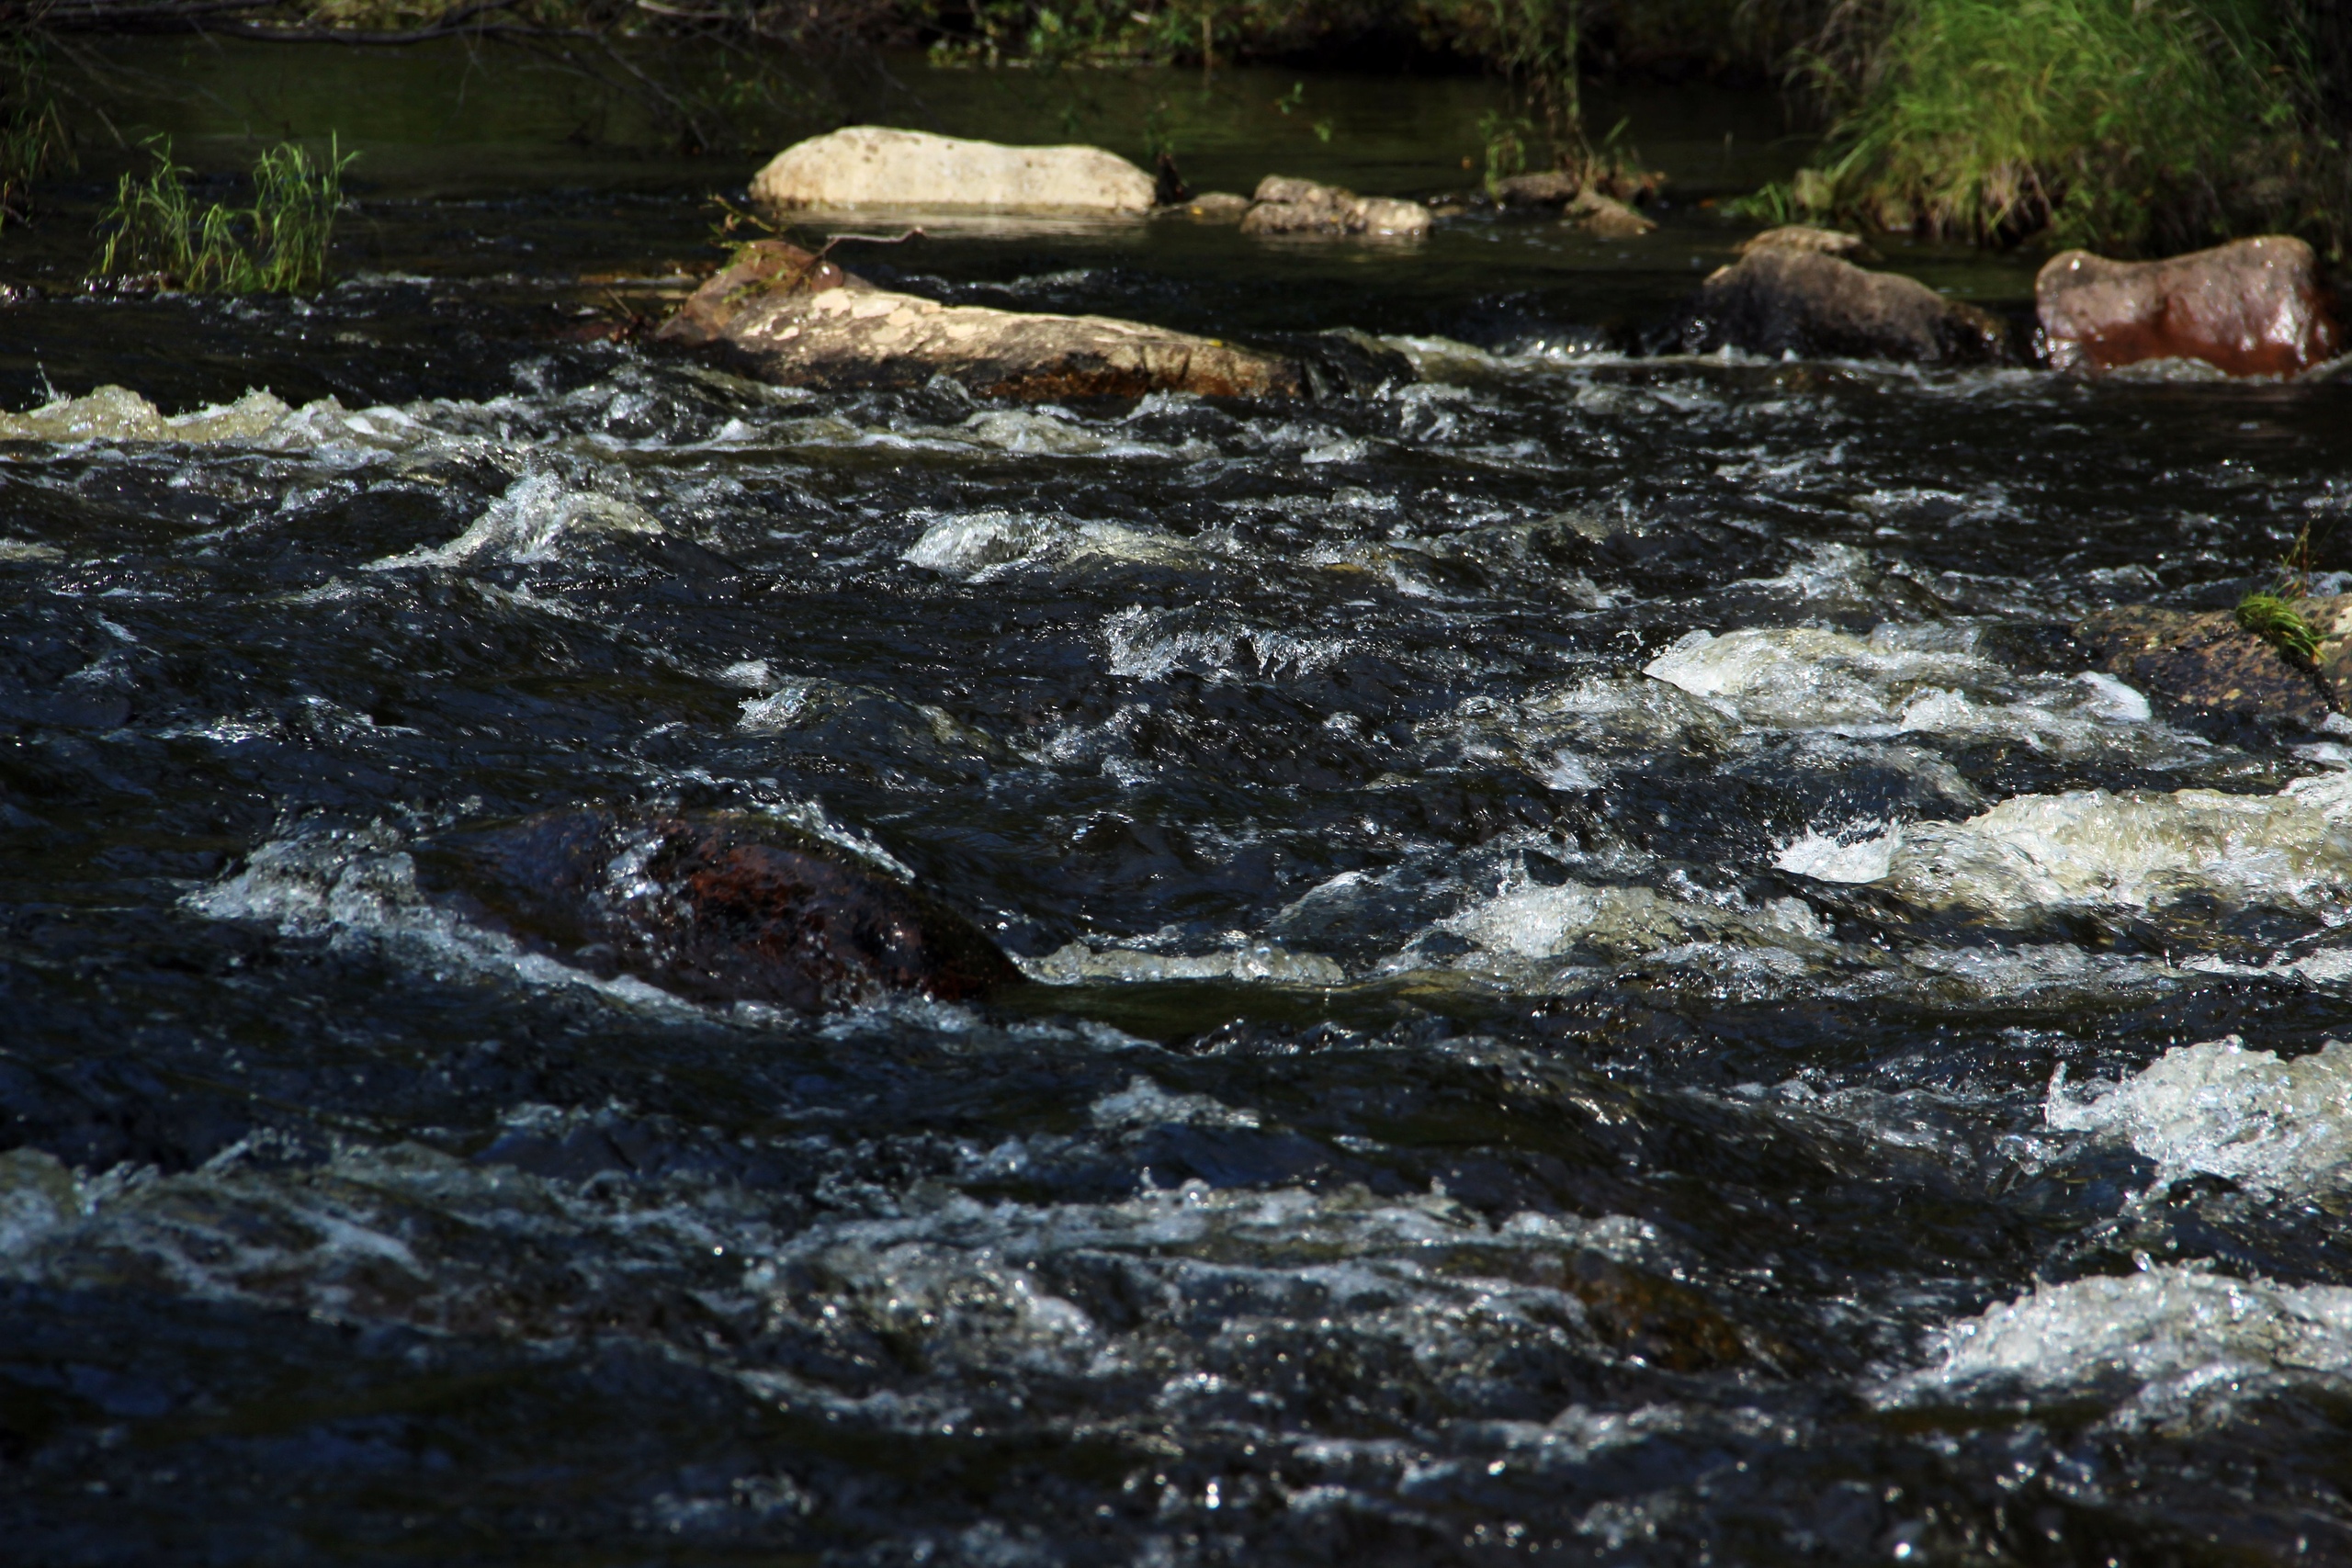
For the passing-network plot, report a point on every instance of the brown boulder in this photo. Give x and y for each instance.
(1779, 300)
(797, 320)
(1545, 187)
(720, 906)
(2206, 663)
(2250, 308)
(1286, 206)
(1606, 217)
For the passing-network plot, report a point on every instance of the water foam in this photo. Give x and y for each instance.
(2176, 1333)
(2218, 1108)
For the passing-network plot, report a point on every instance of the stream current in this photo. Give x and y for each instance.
(1605, 984)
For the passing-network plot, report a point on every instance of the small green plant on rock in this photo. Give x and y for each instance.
(2277, 622)
(277, 245)
(2274, 614)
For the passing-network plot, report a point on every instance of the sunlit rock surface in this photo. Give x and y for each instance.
(871, 165)
(1295, 207)
(801, 320)
(2206, 663)
(2250, 307)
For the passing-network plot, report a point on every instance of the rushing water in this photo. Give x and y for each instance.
(1587, 1004)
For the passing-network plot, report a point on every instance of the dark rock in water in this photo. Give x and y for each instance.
(2204, 663)
(720, 907)
(2250, 308)
(1781, 300)
(797, 320)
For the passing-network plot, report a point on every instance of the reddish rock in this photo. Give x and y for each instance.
(2252, 308)
(721, 907)
(798, 320)
(1781, 300)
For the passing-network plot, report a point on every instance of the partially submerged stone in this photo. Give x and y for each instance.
(2250, 307)
(1286, 206)
(720, 907)
(871, 165)
(2204, 663)
(797, 320)
(1806, 237)
(1606, 217)
(1212, 206)
(1545, 187)
(1779, 300)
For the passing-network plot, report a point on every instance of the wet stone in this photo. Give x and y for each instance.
(721, 907)
(1779, 300)
(2250, 308)
(2205, 662)
(793, 319)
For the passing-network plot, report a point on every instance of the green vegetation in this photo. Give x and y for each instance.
(32, 133)
(278, 245)
(2125, 125)
(2277, 622)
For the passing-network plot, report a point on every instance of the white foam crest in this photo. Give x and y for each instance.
(2176, 1333)
(1865, 856)
(2089, 848)
(1145, 644)
(531, 522)
(1075, 964)
(1906, 680)
(360, 885)
(977, 547)
(1523, 926)
(2217, 1108)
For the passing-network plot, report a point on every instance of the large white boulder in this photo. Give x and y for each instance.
(871, 165)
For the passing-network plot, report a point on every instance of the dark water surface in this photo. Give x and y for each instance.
(1504, 1076)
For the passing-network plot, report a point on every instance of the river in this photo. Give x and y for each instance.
(1607, 986)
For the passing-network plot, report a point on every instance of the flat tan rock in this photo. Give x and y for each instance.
(799, 320)
(1804, 237)
(1287, 206)
(871, 165)
(2250, 308)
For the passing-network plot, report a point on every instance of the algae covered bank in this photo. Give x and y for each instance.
(1531, 947)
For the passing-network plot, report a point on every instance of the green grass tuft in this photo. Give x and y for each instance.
(2129, 125)
(2277, 622)
(278, 245)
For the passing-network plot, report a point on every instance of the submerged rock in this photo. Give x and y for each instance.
(1804, 237)
(1286, 206)
(1606, 217)
(2250, 308)
(798, 320)
(871, 165)
(1211, 207)
(1781, 300)
(2205, 663)
(720, 907)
